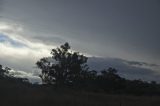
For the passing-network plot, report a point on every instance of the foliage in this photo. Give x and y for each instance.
(4, 71)
(64, 67)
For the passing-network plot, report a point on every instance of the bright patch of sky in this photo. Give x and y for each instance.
(15, 48)
(6, 39)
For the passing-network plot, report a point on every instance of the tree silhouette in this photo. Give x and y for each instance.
(64, 67)
(4, 71)
(110, 74)
(1, 70)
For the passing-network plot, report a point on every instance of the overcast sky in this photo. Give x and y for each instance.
(124, 29)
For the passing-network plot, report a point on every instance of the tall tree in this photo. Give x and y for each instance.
(64, 67)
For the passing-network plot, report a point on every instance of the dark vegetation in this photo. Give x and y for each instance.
(68, 81)
(68, 68)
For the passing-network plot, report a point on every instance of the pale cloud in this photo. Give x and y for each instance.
(12, 55)
(30, 76)
(21, 57)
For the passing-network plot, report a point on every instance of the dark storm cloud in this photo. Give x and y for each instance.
(1, 6)
(50, 39)
(119, 26)
(1, 3)
(125, 70)
(141, 63)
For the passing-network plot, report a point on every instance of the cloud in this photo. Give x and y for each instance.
(122, 29)
(1, 5)
(151, 66)
(50, 39)
(126, 68)
(17, 51)
(6, 39)
(30, 76)
(135, 63)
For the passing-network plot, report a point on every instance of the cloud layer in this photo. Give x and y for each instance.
(127, 69)
(110, 28)
(17, 51)
(30, 76)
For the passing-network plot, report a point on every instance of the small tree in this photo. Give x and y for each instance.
(64, 67)
(4, 71)
(1, 70)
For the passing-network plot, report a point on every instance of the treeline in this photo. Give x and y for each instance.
(69, 69)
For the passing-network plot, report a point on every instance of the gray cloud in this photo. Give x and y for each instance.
(126, 29)
(26, 65)
(141, 63)
(50, 39)
(21, 74)
(128, 70)
(1, 4)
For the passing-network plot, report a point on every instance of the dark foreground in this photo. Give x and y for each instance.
(69, 98)
(12, 94)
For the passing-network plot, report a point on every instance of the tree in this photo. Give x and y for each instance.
(4, 71)
(110, 74)
(64, 67)
(1, 70)
(109, 80)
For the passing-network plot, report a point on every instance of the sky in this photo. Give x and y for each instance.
(120, 33)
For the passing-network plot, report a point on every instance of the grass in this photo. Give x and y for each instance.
(12, 94)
